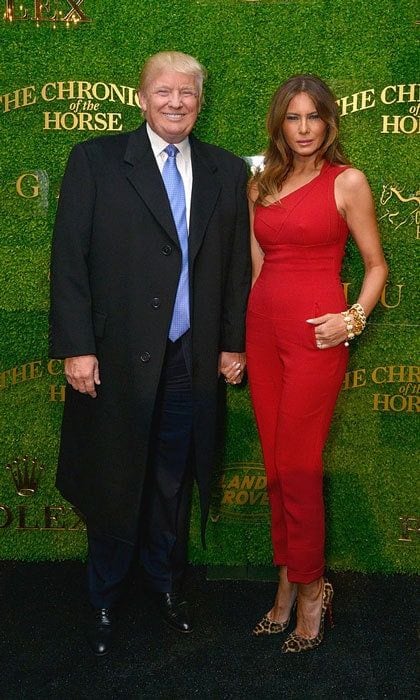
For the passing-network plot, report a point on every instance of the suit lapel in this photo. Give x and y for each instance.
(143, 173)
(205, 192)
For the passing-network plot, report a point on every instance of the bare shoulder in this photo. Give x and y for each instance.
(351, 181)
(352, 193)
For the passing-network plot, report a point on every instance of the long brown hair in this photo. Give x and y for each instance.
(278, 157)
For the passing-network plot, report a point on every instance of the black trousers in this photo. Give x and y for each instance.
(164, 521)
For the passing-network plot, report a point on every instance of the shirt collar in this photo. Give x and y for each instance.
(158, 144)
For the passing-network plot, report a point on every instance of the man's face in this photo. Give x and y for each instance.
(171, 104)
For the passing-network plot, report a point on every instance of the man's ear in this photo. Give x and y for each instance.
(142, 101)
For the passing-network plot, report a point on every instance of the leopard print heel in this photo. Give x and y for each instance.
(267, 626)
(294, 643)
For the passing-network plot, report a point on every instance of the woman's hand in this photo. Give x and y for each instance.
(330, 330)
(232, 366)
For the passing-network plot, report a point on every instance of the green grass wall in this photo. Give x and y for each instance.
(365, 51)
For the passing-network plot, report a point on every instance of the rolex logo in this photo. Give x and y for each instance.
(67, 11)
(26, 473)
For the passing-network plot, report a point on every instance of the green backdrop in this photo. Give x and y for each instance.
(61, 82)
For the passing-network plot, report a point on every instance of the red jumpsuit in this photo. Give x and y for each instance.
(294, 385)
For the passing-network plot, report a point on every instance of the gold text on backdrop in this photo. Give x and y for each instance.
(67, 11)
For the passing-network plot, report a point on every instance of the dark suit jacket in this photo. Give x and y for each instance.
(115, 268)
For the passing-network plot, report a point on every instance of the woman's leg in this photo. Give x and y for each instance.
(311, 382)
(285, 598)
(265, 373)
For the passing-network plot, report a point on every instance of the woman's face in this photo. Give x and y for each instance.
(303, 129)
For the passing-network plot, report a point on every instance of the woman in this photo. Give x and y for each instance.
(303, 205)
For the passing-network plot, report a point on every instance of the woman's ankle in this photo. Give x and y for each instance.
(310, 591)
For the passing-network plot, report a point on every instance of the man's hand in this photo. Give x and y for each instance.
(232, 366)
(82, 373)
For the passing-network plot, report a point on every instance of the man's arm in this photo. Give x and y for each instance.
(232, 356)
(71, 328)
(239, 273)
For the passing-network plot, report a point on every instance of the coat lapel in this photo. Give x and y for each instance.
(143, 173)
(205, 192)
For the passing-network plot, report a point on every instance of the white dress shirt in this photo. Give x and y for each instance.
(183, 162)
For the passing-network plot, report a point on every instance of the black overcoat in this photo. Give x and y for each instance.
(115, 268)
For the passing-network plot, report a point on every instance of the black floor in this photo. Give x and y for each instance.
(370, 653)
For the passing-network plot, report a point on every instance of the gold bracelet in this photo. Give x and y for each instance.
(355, 320)
(358, 325)
(348, 320)
(360, 312)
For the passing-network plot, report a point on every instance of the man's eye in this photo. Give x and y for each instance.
(164, 93)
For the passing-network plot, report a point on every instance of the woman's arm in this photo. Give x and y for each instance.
(257, 256)
(355, 202)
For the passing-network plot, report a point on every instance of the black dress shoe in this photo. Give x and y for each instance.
(100, 631)
(174, 611)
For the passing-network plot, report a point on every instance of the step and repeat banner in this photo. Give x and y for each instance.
(69, 72)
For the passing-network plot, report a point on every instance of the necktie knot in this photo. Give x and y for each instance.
(171, 150)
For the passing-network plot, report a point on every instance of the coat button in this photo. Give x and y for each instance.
(155, 302)
(145, 356)
(166, 249)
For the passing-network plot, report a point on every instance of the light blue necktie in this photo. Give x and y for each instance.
(175, 188)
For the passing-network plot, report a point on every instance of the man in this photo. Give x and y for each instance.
(149, 279)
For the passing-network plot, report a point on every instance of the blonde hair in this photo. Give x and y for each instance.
(172, 61)
(278, 157)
